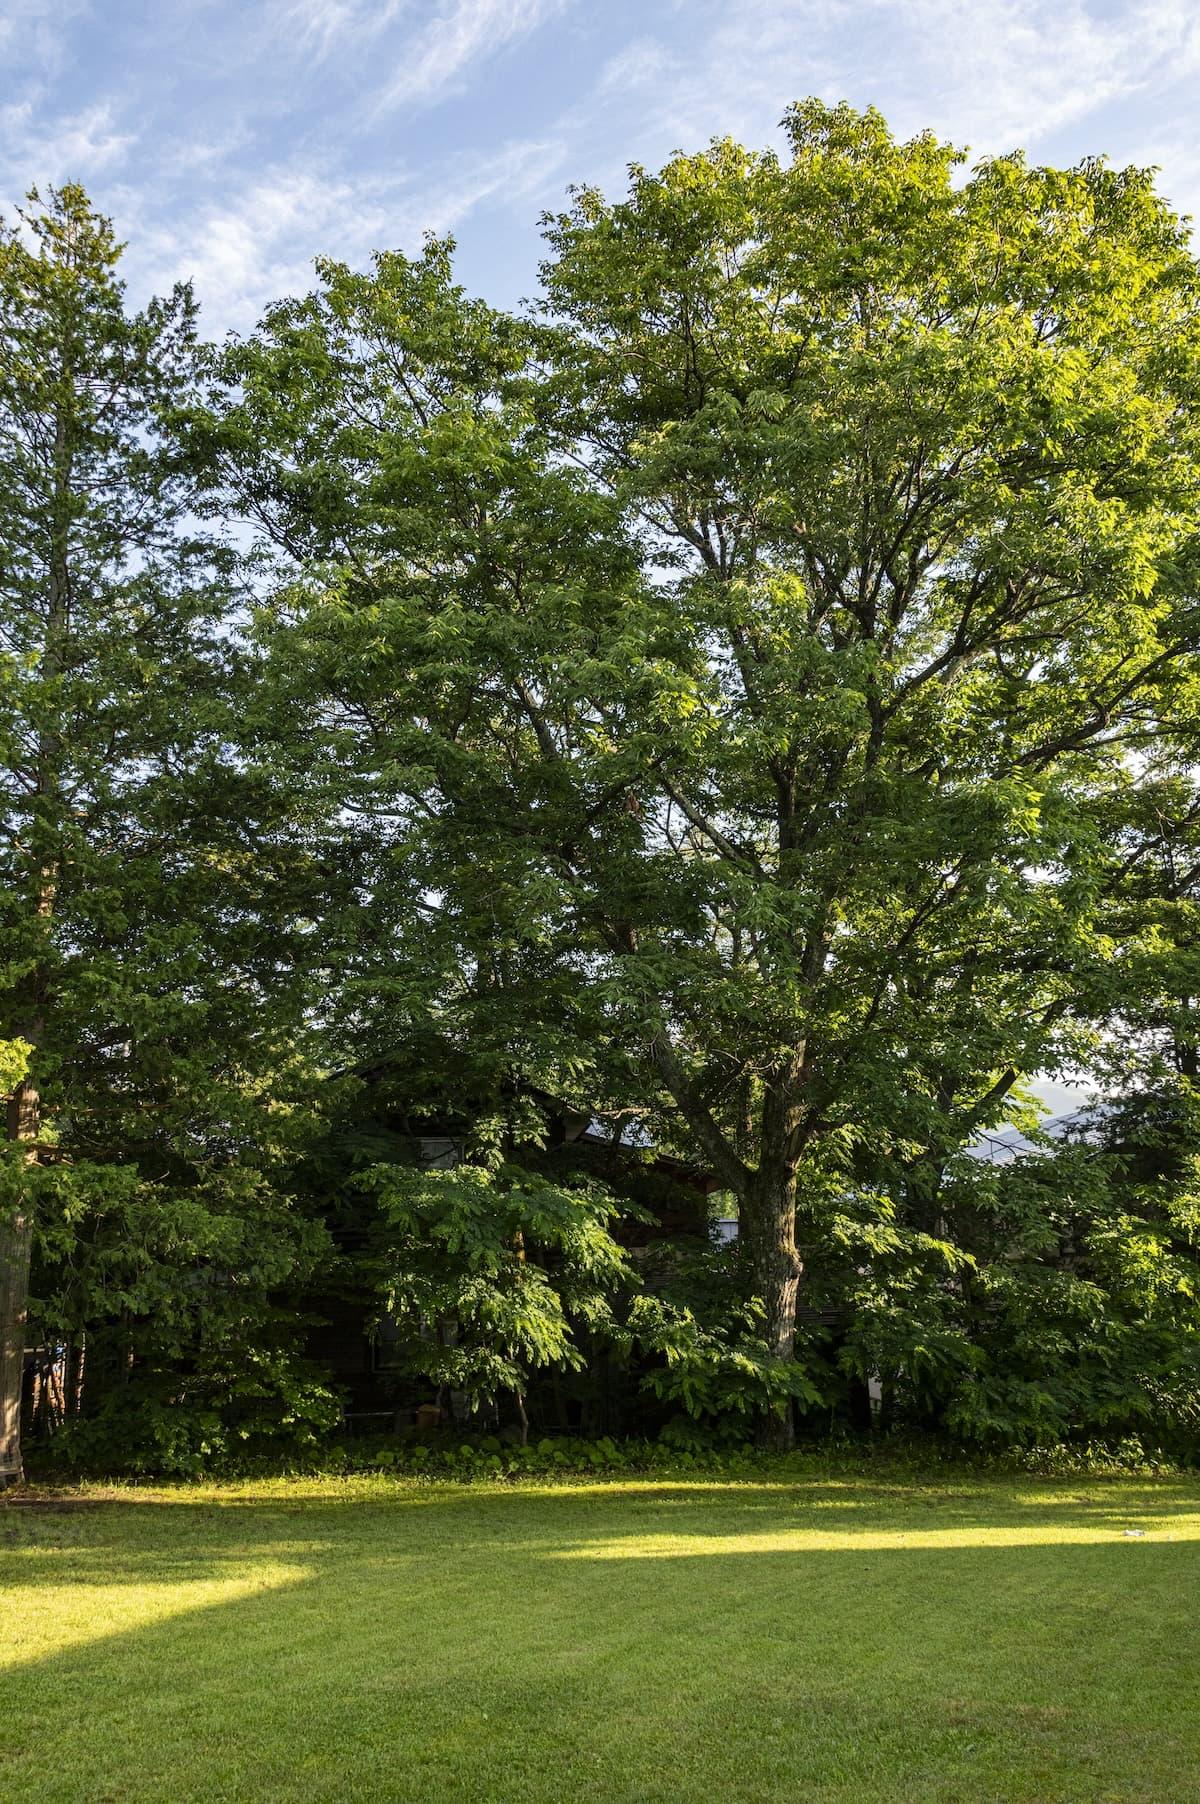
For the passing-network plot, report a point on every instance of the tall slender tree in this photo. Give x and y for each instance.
(146, 995)
(80, 497)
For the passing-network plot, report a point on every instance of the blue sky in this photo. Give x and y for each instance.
(233, 140)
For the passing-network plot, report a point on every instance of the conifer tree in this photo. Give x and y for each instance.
(137, 847)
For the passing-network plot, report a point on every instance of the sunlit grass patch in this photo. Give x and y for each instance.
(642, 1640)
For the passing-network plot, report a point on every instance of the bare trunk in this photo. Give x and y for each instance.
(771, 1220)
(16, 1245)
(16, 1238)
(73, 1365)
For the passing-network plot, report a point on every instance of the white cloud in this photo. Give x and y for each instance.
(318, 27)
(431, 59)
(460, 35)
(990, 73)
(638, 68)
(32, 32)
(1016, 70)
(260, 246)
(77, 147)
(260, 142)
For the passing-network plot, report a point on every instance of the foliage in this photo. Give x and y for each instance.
(1081, 1312)
(719, 1371)
(14, 1063)
(158, 884)
(695, 1331)
(742, 660)
(487, 1268)
(749, 699)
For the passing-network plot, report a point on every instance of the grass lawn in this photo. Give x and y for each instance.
(814, 1639)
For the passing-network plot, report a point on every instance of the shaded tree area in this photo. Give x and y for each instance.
(157, 885)
(747, 702)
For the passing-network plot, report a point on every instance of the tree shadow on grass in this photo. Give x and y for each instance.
(137, 1534)
(643, 1643)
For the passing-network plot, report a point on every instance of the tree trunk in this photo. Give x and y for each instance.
(16, 1245)
(16, 1239)
(771, 1219)
(766, 1197)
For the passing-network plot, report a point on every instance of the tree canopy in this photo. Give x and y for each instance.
(742, 658)
(748, 698)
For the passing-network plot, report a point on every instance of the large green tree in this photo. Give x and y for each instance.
(739, 659)
(154, 891)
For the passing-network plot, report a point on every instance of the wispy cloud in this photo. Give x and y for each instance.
(986, 72)
(319, 27)
(991, 73)
(430, 58)
(32, 32)
(260, 244)
(234, 143)
(463, 33)
(1019, 71)
(75, 147)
